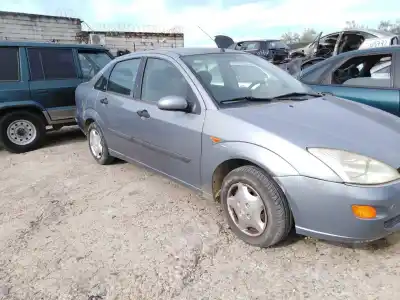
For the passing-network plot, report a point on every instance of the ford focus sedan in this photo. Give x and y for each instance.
(275, 154)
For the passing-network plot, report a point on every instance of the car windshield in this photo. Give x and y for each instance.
(239, 75)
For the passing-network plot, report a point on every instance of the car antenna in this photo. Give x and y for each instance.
(222, 49)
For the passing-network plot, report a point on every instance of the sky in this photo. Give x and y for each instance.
(240, 19)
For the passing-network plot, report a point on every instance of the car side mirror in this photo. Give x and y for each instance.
(173, 103)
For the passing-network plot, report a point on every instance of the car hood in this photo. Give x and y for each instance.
(329, 122)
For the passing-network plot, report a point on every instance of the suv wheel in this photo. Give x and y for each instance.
(255, 207)
(21, 131)
(98, 146)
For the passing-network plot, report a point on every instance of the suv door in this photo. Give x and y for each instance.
(172, 139)
(53, 80)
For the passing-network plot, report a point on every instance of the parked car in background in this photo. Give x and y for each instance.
(37, 88)
(370, 76)
(272, 50)
(343, 41)
(273, 152)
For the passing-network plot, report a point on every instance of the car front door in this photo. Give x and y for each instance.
(381, 92)
(117, 109)
(171, 140)
(53, 80)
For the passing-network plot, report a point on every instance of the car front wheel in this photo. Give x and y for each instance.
(255, 207)
(98, 146)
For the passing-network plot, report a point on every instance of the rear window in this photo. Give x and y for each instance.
(92, 62)
(9, 64)
(277, 45)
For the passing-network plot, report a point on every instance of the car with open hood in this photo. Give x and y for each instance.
(275, 154)
(273, 50)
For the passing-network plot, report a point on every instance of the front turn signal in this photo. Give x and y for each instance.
(364, 211)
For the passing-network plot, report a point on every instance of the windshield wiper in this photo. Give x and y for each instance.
(248, 98)
(292, 95)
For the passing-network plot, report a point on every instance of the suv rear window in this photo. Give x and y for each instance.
(9, 64)
(92, 61)
(277, 45)
(51, 64)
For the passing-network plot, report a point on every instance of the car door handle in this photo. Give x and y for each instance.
(143, 113)
(326, 94)
(104, 101)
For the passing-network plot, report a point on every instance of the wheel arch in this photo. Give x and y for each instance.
(247, 154)
(90, 116)
(28, 107)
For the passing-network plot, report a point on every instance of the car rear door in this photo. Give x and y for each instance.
(53, 80)
(382, 93)
(171, 139)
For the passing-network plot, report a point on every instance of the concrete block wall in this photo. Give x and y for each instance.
(138, 43)
(38, 28)
(41, 28)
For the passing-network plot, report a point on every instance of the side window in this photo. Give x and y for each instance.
(101, 83)
(161, 78)
(251, 46)
(92, 61)
(123, 77)
(9, 64)
(51, 64)
(361, 71)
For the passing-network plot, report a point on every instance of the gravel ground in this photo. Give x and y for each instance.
(72, 229)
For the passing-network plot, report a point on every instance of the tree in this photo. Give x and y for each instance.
(353, 24)
(291, 38)
(393, 27)
(308, 35)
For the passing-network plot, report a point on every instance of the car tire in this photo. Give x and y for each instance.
(277, 221)
(22, 131)
(98, 145)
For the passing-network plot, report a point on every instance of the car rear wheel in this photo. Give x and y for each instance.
(255, 207)
(21, 131)
(98, 146)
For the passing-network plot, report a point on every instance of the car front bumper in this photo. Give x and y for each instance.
(322, 209)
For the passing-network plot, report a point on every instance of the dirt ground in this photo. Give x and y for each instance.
(72, 229)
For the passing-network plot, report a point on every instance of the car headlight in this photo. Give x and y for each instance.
(355, 168)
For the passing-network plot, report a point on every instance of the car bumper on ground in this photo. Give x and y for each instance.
(323, 209)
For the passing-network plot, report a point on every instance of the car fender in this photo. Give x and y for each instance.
(217, 154)
(91, 114)
(25, 104)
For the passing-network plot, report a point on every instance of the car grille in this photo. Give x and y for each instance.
(392, 222)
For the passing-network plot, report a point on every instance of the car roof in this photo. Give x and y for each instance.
(56, 45)
(376, 32)
(370, 51)
(178, 52)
